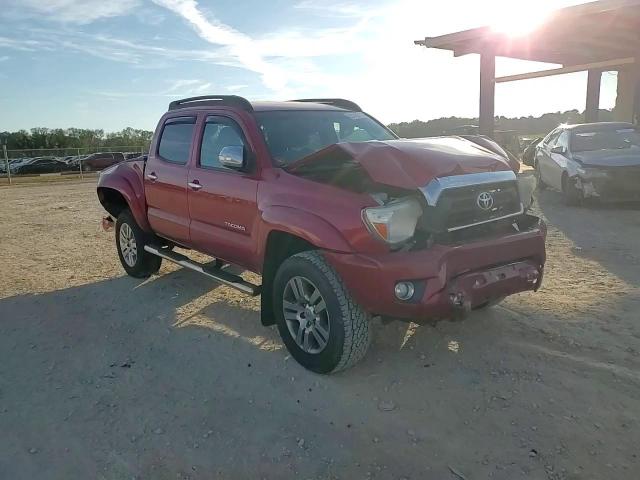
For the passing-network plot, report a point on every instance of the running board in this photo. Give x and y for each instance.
(226, 278)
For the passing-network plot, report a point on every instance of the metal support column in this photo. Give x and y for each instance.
(627, 86)
(487, 93)
(593, 96)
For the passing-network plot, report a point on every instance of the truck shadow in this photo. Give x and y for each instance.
(117, 369)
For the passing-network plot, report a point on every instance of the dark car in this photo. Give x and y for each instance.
(13, 163)
(529, 154)
(102, 160)
(592, 160)
(39, 165)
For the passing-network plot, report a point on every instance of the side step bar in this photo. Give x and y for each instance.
(229, 279)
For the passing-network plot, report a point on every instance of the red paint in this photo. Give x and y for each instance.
(126, 178)
(413, 163)
(233, 213)
(371, 278)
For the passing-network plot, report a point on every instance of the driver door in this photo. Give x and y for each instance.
(222, 201)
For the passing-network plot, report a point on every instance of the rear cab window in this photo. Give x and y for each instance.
(175, 140)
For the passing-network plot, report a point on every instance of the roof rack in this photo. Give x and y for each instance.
(337, 102)
(212, 101)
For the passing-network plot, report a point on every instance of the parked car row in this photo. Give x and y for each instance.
(50, 164)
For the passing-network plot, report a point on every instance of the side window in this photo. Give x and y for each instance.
(219, 132)
(175, 142)
(563, 140)
(550, 141)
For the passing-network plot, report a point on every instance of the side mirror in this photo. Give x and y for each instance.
(232, 157)
(559, 149)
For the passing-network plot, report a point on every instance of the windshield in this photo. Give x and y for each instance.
(292, 135)
(605, 140)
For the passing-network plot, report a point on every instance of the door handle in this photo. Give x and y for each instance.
(195, 185)
(152, 176)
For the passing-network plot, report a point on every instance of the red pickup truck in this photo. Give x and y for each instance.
(343, 220)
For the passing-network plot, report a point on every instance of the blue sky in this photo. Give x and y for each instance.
(117, 63)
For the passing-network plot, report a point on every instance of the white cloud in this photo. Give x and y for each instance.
(150, 17)
(238, 45)
(76, 11)
(4, 58)
(187, 87)
(23, 44)
(334, 9)
(309, 43)
(140, 54)
(236, 88)
(366, 54)
(178, 84)
(176, 89)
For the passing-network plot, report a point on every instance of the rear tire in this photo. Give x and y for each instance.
(323, 328)
(130, 241)
(572, 195)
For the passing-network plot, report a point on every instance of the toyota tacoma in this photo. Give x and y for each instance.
(343, 220)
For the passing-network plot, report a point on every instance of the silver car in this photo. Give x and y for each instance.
(591, 160)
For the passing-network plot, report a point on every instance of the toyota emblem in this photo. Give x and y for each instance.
(485, 201)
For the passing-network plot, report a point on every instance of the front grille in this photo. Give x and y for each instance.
(462, 207)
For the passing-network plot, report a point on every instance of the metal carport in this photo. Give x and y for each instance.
(594, 37)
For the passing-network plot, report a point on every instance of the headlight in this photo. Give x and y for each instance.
(591, 173)
(394, 222)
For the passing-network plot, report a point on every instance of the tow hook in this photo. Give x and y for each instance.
(459, 301)
(107, 223)
(532, 276)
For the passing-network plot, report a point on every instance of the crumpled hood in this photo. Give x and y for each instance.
(627, 157)
(411, 163)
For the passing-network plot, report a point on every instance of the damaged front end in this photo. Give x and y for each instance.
(450, 213)
(427, 191)
(609, 184)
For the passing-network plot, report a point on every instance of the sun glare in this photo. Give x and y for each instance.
(516, 23)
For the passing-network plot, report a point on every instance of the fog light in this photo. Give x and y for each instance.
(404, 290)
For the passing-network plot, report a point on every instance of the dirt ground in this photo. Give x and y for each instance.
(107, 377)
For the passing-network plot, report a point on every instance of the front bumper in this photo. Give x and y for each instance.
(447, 277)
(623, 186)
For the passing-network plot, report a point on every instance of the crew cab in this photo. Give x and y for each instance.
(343, 220)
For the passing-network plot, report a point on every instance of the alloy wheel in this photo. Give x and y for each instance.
(128, 245)
(306, 315)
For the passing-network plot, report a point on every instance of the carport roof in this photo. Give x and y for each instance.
(592, 32)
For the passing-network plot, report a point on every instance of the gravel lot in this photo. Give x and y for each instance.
(106, 377)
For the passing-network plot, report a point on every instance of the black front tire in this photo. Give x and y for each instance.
(571, 193)
(349, 334)
(143, 264)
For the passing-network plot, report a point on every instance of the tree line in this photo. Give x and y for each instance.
(523, 125)
(37, 138)
(69, 138)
